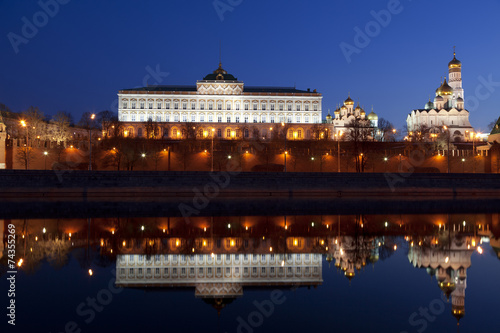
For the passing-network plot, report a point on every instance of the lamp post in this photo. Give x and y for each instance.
(339, 135)
(23, 124)
(284, 130)
(213, 132)
(448, 147)
(92, 117)
(45, 157)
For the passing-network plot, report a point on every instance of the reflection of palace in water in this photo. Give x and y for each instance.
(219, 257)
(218, 276)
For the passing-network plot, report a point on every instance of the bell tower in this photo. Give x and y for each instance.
(455, 78)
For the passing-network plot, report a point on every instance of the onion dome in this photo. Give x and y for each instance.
(429, 105)
(343, 108)
(372, 116)
(445, 89)
(460, 99)
(349, 101)
(454, 63)
(220, 75)
(328, 117)
(349, 275)
(337, 111)
(438, 99)
(458, 312)
(447, 288)
(358, 108)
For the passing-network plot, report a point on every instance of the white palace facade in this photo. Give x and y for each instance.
(221, 104)
(447, 109)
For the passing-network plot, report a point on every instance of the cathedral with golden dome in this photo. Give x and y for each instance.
(447, 110)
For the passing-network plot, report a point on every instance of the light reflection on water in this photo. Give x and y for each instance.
(257, 273)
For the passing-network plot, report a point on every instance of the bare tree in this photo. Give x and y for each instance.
(358, 132)
(105, 121)
(387, 130)
(25, 155)
(61, 120)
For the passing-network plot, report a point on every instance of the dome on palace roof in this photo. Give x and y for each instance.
(372, 116)
(220, 75)
(429, 105)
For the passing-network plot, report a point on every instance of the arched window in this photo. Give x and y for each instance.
(219, 133)
(139, 132)
(246, 133)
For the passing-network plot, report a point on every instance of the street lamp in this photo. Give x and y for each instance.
(463, 165)
(285, 130)
(213, 132)
(448, 147)
(339, 135)
(385, 162)
(23, 124)
(92, 117)
(45, 153)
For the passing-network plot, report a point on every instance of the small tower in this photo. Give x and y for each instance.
(3, 142)
(455, 77)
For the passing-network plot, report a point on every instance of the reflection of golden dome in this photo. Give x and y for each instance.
(447, 288)
(458, 312)
(445, 89)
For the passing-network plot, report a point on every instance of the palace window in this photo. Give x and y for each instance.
(245, 270)
(255, 106)
(264, 106)
(219, 119)
(298, 107)
(297, 119)
(210, 105)
(315, 107)
(263, 270)
(299, 134)
(228, 133)
(210, 118)
(193, 105)
(193, 118)
(209, 270)
(124, 117)
(289, 119)
(200, 271)
(176, 105)
(184, 106)
(202, 118)
(202, 106)
(158, 105)
(281, 106)
(237, 119)
(237, 106)
(133, 117)
(282, 119)
(228, 119)
(246, 106)
(142, 105)
(176, 117)
(125, 105)
(289, 107)
(254, 270)
(315, 119)
(246, 119)
(219, 133)
(150, 105)
(272, 119)
(141, 117)
(219, 106)
(228, 106)
(167, 117)
(247, 134)
(306, 107)
(158, 118)
(139, 132)
(263, 119)
(272, 107)
(254, 119)
(167, 105)
(133, 105)
(184, 118)
(306, 119)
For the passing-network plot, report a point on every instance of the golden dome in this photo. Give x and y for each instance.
(358, 108)
(343, 107)
(349, 101)
(454, 63)
(445, 89)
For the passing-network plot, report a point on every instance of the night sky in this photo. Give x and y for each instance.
(85, 51)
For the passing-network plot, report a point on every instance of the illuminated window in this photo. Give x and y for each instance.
(228, 133)
(246, 133)
(299, 135)
(219, 133)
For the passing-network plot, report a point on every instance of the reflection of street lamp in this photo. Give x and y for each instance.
(463, 165)
(92, 117)
(385, 162)
(45, 157)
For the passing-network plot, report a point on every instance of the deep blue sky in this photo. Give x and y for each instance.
(90, 49)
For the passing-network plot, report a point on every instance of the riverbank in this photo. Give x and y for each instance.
(111, 193)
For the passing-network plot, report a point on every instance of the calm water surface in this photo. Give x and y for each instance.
(368, 273)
